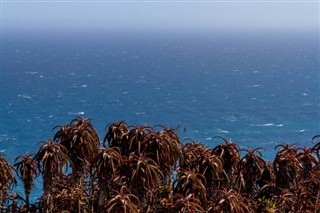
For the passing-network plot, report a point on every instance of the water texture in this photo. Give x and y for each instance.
(256, 90)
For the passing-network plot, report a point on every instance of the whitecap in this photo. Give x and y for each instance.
(140, 113)
(84, 86)
(24, 96)
(75, 113)
(304, 94)
(32, 73)
(256, 85)
(231, 118)
(141, 81)
(209, 138)
(302, 130)
(222, 131)
(268, 124)
(306, 104)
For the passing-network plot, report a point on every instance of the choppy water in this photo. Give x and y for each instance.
(257, 90)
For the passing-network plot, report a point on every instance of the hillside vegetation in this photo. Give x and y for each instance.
(149, 169)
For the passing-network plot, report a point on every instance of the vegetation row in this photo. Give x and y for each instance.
(149, 169)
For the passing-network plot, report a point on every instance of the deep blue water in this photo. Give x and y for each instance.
(258, 90)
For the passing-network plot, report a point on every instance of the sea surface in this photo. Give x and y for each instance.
(257, 90)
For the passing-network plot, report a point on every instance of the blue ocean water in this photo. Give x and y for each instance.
(258, 90)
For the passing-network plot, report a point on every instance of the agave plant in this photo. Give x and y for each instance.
(107, 168)
(164, 148)
(308, 162)
(287, 167)
(82, 144)
(192, 154)
(27, 171)
(305, 199)
(117, 135)
(123, 201)
(285, 201)
(189, 182)
(230, 155)
(198, 158)
(250, 170)
(69, 199)
(136, 139)
(107, 162)
(267, 175)
(212, 170)
(186, 204)
(145, 174)
(229, 201)
(7, 178)
(147, 169)
(52, 160)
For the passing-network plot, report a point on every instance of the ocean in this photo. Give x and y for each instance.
(258, 90)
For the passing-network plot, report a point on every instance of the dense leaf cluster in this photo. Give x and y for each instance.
(149, 169)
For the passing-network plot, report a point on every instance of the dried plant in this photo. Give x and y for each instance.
(26, 171)
(7, 179)
(148, 169)
(81, 141)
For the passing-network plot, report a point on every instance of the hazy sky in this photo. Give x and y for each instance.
(165, 15)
